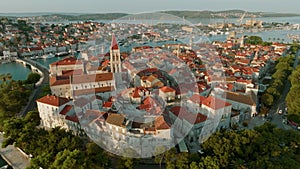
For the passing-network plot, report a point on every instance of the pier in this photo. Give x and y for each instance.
(13, 156)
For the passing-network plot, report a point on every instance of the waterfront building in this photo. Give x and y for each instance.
(68, 64)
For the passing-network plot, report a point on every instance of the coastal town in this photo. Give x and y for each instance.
(150, 87)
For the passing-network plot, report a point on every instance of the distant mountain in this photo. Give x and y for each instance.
(227, 14)
(49, 16)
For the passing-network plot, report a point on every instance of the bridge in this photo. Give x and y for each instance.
(37, 68)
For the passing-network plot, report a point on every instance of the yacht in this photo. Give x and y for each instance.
(47, 56)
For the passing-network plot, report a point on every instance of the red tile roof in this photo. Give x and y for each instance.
(67, 61)
(116, 119)
(107, 104)
(240, 98)
(215, 103)
(92, 91)
(73, 118)
(72, 72)
(136, 94)
(78, 79)
(192, 118)
(66, 109)
(160, 123)
(114, 43)
(167, 89)
(196, 98)
(59, 80)
(53, 100)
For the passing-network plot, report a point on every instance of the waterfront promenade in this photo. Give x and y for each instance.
(13, 156)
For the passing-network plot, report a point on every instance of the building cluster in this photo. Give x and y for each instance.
(31, 39)
(157, 95)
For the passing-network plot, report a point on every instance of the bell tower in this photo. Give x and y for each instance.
(115, 56)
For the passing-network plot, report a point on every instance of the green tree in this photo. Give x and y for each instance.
(69, 159)
(170, 158)
(295, 76)
(293, 100)
(33, 117)
(267, 99)
(194, 165)
(33, 78)
(126, 161)
(96, 157)
(293, 97)
(209, 163)
(274, 90)
(182, 161)
(254, 40)
(264, 147)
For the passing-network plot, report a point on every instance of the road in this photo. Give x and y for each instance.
(280, 104)
(31, 104)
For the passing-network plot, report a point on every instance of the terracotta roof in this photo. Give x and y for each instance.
(91, 115)
(215, 103)
(116, 119)
(73, 118)
(158, 84)
(241, 98)
(160, 123)
(72, 72)
(78, 79)
(192, 118)
(151, 78)
(66, 109)
(107, 104)
(114, 44)
(53, 100)
(92, 91)
(59, 80)
(167, 89)
(196, 98)
(67, 61)
(136, 94)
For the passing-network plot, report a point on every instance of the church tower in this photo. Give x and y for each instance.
(115, 56)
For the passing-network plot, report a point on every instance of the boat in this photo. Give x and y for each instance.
(59, 54)
(48, 56)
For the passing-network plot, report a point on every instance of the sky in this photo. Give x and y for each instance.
(140, 6)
